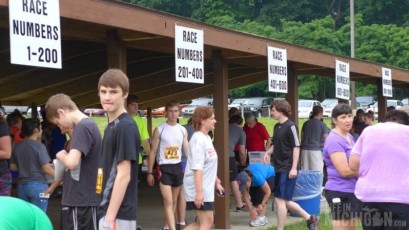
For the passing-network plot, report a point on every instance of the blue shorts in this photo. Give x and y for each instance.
(284, 186)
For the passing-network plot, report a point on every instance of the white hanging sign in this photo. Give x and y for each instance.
(35, 38)
(342, 80)
(387, 82)
(189, 55)
(277, 70)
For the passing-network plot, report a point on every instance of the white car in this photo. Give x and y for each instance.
(328, 105)
(190, 109)
(238, 103)
(305, 107)
(395, 103)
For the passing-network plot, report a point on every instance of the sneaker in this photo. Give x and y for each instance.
(312, 222)
(242, 208)
(259, 221)
(264, 219)
(180, 226)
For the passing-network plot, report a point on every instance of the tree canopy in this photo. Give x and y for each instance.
(381, 32)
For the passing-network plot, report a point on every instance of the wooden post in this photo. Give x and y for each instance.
(221, 137)
(116, 51)
(292, 94)
(381, 102)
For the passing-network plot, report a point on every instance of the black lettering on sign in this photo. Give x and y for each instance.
(277, 55)
(189, 36)
(343, 68)
(35, 7)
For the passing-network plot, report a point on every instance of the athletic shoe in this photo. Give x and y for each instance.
(264, 219)
(180, 226)
(312, 222)
(243, 208)
(259, 221)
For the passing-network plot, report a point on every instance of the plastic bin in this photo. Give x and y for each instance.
(307, 192)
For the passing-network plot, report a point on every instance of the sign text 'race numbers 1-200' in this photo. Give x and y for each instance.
(35, 36)
(43, 54)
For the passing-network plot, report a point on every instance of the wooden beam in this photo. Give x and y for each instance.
(221, 137)
(292, 93)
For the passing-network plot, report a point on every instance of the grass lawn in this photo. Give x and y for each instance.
(156, 121)
(324, 224)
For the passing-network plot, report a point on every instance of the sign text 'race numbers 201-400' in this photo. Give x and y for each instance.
(189, 55)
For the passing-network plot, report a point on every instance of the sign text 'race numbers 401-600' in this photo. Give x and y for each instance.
(35, 38)
(189, 56)
(277, 70)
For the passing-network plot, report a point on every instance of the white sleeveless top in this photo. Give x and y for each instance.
(170, 143)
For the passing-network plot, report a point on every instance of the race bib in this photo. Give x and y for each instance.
(171, 152)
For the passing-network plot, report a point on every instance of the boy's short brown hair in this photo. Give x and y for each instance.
(282, 106)
(171, 104)
(58, 101)
(113, 78)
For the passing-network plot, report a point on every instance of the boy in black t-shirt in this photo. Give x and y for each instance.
(285, 152)
(79, 199)
(118, 166)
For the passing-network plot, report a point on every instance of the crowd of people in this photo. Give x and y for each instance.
(101, 175)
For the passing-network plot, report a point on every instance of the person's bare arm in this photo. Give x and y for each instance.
(242, 154)
(296, 156)
(185, 144)
(5, 148)
(146, 146)
(354, 163)
(152, 156)
(122, 179)
(340, 162)
(47, 169)
(70, 160)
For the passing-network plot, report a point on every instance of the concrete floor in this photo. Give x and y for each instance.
(150, 212)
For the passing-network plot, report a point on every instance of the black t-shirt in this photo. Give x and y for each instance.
(4, 131)
(80, 183)
(285, 139)
(119, 144)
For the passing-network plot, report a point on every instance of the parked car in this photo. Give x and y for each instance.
(160, 112)
(257, 105)
(238, 102)
(395, 103)
(365, 101)
(7, 109)
(190, 109)
(29, 113)
(405, 101)
(328, 105)
(305, 107)
(94, 111)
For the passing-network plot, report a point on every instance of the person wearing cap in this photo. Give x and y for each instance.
(256, 183)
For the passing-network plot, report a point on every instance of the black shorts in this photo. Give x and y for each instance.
(343, 205)
(257, 194)
(171, 174)
(233, 168)
(284, 186)
(82, 217)
(208, 206)
(386, 216)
